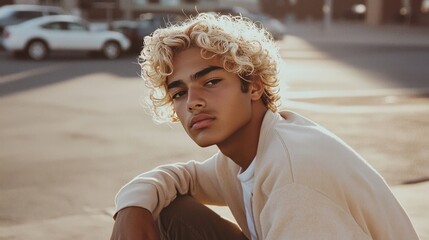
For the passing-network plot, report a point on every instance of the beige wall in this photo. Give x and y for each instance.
(249, 4)
(127, 6)
(374, 14)
(26, 1)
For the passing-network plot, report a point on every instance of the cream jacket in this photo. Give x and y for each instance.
(308, 185)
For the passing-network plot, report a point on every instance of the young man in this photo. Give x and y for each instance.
(282, 176)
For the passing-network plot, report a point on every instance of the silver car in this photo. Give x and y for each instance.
(37, 37)
(18, 13)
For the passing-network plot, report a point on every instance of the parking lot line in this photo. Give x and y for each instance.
(29, 73)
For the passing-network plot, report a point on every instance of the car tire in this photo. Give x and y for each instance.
(37, 50)
(111, 50)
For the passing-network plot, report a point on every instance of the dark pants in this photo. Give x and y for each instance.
(187, 219)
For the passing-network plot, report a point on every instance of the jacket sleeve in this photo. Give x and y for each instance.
(154, 190)
(297, 212)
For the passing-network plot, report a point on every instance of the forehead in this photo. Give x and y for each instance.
(189, 61)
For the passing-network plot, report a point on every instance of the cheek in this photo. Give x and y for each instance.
(235, 99)
(180, 110)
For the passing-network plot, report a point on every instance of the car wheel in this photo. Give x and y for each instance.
(111, 50)
(37, 50)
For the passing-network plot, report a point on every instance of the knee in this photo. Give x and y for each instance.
(178, 208)
(186, 218)
(177, 221)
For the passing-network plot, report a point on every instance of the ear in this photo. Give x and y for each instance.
(256, 88)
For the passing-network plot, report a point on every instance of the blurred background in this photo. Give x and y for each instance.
(74, 127)
(413, 12)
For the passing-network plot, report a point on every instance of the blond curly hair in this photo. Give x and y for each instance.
(244, 48)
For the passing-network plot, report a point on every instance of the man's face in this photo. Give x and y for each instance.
(208, 99)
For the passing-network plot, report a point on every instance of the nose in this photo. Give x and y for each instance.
(196, 100)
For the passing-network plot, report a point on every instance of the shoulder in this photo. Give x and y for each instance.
(302, 143)
(297, 150)
(309, 147)
(303, 161)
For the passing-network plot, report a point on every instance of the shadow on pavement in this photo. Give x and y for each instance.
(403, 66)
(18, 75)
(397, 54)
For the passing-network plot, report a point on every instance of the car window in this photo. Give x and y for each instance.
(159, 22)
(24, 15)
(53, 13)
(54, 26)
(145, 24)
(4, 12)
(76, 27)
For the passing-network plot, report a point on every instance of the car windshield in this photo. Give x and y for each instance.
(30, 22)
(4, 12)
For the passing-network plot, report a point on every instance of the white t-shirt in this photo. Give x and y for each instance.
(247, 182)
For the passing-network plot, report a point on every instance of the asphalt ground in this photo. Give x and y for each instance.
(68, 146)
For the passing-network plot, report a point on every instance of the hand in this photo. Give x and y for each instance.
(134, 223)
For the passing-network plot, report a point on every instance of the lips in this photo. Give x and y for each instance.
(200, 121)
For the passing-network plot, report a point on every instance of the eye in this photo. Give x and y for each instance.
(178, 94)
(212, 82)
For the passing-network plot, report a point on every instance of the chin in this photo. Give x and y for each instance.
(204, 144)
(204, 141)
(206, 138)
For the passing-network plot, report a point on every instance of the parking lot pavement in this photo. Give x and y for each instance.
(68, 146)
(82, 227)
(345, 79)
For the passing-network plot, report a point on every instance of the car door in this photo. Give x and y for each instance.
(79, 37)
(53, 33)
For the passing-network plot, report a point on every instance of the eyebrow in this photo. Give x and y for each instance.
(205, 71)
(194, 76)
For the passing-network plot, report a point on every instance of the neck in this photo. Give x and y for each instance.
(242, 147)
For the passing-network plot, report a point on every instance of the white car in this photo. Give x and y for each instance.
(39, 36)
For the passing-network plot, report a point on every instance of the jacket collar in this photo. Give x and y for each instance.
(268, 122)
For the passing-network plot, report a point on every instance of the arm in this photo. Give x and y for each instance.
(134, 223)
(154, 190)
